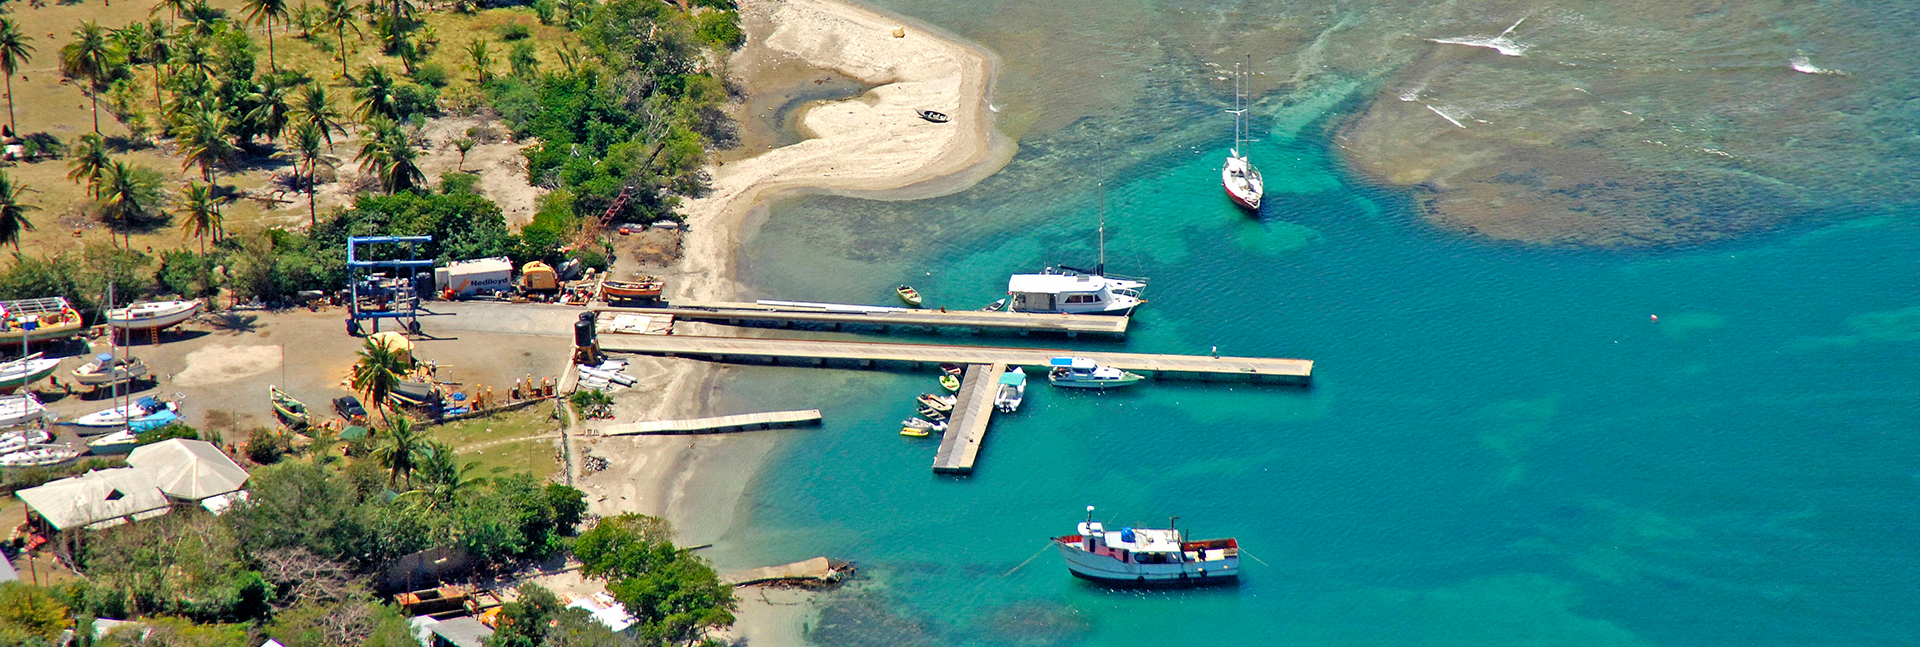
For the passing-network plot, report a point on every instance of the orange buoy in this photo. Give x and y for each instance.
(1656, 318)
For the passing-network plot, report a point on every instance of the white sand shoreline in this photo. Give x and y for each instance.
(872, 146)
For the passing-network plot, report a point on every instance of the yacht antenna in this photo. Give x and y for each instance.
(1089, 513)
(1101, 269)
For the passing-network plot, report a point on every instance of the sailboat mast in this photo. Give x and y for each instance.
(1101, 269)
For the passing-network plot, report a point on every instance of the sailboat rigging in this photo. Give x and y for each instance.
(1238, 175)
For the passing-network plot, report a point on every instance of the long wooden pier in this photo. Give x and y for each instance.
(717, 424)
(872, 354)
(787, 315)
(967, 426)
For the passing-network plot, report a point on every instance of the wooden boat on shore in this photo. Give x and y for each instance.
(909, 295)
(933, 116)
(39, 319)
(24, 371)
(154, 315)
(646, 287)
(292, 412)
(1132, 557)
(106, 369)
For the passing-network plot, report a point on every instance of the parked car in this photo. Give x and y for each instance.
(349, 407)
(629, 229)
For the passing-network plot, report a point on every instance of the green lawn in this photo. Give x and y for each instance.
(491, 441)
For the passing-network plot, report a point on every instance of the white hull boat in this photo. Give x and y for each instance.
(153, 315)
(119, 442)
(24, 371)
(18, 440)
(39, 457)
(1013, 390)
(1067, 291)
(1083, 373)
(1238, 175)
(1147, 557)
(106, 369)
(23, 409)
(118, 416)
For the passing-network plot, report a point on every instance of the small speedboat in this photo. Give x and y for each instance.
(107, 369)
(22, 409)
(938, 402)
(909, 295)
(950, 382)
(292, 412)
(39, 457)
(119, 442)
(118, 416)
(1013, 390)
(153, 315)
(933, 116)
(645, 287)
(1083, 373)
(24, 371)
(919, 428)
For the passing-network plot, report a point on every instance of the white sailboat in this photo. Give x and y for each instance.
(1238, 175)
(154, 314)
(22, 409)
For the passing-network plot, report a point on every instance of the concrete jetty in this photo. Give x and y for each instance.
(858, 354)
(967, 426)
(835, 316)
(717, 424)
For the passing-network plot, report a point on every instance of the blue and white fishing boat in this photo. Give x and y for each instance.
(1013, 390)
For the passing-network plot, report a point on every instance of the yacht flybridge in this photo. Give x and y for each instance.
(1147, 556)
(1072, 291)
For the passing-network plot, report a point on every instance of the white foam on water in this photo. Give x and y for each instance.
(1413, 93)
(1502, 43)
(1444, 115)
(1802, 64)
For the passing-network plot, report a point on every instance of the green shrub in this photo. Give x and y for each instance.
(720, 28)
(266, 446)
(545, 10)
(514, 31)
(431, 75)
(457, 182)
(169, 432)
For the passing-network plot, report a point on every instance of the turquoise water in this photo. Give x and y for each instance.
(1502, 445)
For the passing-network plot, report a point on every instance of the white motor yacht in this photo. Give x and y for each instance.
(1083, 373)
(1072, 292)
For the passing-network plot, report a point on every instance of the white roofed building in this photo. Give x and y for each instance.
(158, 477)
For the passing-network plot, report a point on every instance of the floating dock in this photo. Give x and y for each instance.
(786, 314)
(718, 424)
(967, 426)
(857, 354)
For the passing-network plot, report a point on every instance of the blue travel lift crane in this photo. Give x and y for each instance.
(375, 295)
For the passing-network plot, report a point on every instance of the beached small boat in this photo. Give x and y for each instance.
(22, 409)
(933, 116)
(38, 319)
(1147, 556)
(119, 442)
(153, 315)
(14, 441)
(950, 382)
(118, 416)
(1083, 373)
(645, 287)
(1013, 390)
(108, 369)
(1238, 175)
(937, 402)
(39, 457)
(24, 371)
(909, 295)
(292, 412)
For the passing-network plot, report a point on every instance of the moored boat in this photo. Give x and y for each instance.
(24, 371)
(950, 382)
(933, 414)
(292, 412)
(1013, 390)
(1147, 556)
(909, 295)
(153, 314)
(1071, 291)
(920, 428)
(107, 369)
(119, 442)
(1238, 175)
(645, 287)
(39, 319)
(1083, 373)
(938, 402)
(22, 409)
(39, 456)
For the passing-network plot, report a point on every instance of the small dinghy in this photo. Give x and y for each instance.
(950, 382)
(645, 287)
(292, 412)
(909, 295)
(933, 414)
(938, 402)
(107, 369)
(995, 306)
(919, 428)
(156, 314)
(935, 117)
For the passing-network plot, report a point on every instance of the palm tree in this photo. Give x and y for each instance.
(203, 140)
(482, 59)
(374, 90)
(386, 150)
(442, 478)
(259, 11)
(377, 372)
(401, 451)
(90, 161)
(339, 16)
(177, 6)
(304, 148)
(202, 208)
(90, 57)
(313, 107)
(270, 107)
(14, 52)
(128, 195)
(13, 214)
(156, 48)
(463, 144)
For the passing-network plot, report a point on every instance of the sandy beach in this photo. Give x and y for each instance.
(872, 145)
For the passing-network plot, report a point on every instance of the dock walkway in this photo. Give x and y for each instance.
(870, 354)
(789, 313)
(967, 428)
(718, 424)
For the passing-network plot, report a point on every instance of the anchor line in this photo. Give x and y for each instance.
(1043, 549)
